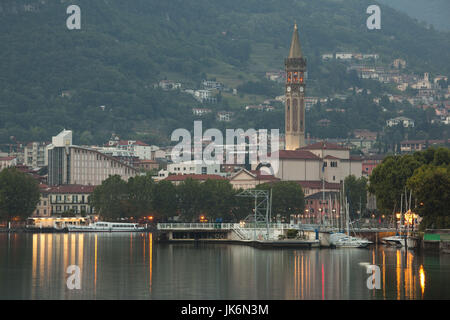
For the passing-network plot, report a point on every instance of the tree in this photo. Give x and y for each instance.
(140, 195)
(388, 180)
(190, 199)
(165, 199)
(219, 199)
(110, 198)
(431, 188)
(356, 193)
(287, 198)
(19, 194)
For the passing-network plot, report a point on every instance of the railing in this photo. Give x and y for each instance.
(260, 225)
(237, 230)
(203, 226)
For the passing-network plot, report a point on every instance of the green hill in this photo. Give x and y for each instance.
(434, 12)
(124, 47)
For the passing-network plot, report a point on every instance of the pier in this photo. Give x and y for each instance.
(260, 235)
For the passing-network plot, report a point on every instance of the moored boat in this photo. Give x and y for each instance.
(341, 240)
(396, 241)
(106, 227)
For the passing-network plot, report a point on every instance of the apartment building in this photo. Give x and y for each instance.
(70, 164)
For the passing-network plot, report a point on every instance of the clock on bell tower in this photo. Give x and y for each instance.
(295, 95)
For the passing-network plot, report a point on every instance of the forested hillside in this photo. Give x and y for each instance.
(124, 47)
(433, 12)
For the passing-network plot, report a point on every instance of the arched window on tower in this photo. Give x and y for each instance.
(288, 113)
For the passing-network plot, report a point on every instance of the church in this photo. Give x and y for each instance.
(320, 168)
(301, 162)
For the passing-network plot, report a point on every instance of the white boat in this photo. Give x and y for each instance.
(106, 227)
(397, 241)
(341, 240)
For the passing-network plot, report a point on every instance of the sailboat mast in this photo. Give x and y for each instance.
(347, 217)
(401, 211)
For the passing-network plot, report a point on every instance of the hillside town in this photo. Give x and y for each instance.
(319, 167)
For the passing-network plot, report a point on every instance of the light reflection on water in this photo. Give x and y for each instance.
(132, 266)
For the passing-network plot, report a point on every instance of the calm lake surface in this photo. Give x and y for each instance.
(132, 266)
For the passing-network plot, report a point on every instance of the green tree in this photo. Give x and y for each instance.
(287, 198)
(140, 195)
(165, 199)
(431, 189)
(19, 194)
(110, 199)
(356, 193)
(219, 199)
(388, 180)
(190, 199)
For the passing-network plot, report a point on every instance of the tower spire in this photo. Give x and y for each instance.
(296, 49)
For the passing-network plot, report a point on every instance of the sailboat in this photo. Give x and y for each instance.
(342, 240)
(398, 240)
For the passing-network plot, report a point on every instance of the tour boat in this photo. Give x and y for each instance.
(106, 227)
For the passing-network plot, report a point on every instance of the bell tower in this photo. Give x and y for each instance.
(295, 95)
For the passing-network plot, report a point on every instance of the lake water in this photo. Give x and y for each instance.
(133, 266)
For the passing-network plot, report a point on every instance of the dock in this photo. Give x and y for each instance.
(270, 236)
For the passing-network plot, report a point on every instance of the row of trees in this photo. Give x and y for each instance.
(19, 194)
(426, 174)
(213, 199)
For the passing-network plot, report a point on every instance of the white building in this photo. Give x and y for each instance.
(7, 162)
(35, 154)
(423, 83)
(371, 56)
(63, 139)
(138, 148)
(212, 84)
(204, 96)
(224, 116)
(169, 85)
(321, 160)
(406, 122)
(193, 167)
(201, 111)
(344, 56)
(69, 164)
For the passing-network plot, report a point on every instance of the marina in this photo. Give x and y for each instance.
(275, 235)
